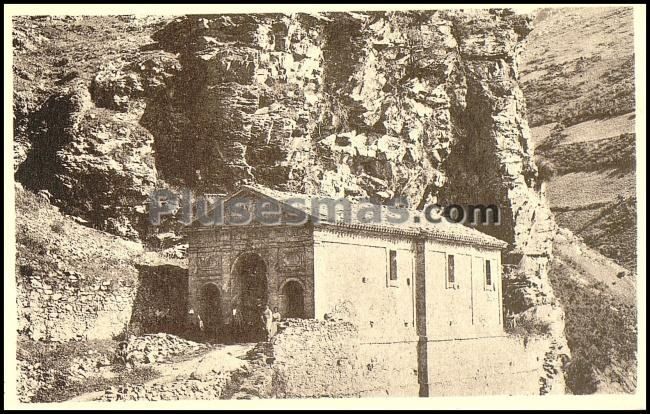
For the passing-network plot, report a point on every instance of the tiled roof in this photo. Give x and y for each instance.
(416, 225)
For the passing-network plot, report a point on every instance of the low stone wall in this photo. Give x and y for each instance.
(67, 306)
(321, 359)
(71, 308)
(315, 359)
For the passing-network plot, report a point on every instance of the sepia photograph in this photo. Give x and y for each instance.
(265, 206)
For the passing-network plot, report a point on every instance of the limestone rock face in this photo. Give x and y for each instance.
(88, 149)
(422, 105)
(96, 164)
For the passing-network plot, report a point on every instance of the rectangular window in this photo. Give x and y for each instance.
(488, 273)
(451, 276)
(393, 265)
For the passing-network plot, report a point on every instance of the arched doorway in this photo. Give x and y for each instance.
(210, 311)
(251, 293)
(294, 300)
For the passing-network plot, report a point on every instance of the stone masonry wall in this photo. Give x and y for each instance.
(70, 308)
(329, 358)
(322, 358)
(489, 366)
(67, 306)
(160, 301)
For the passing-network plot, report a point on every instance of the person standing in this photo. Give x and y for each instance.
(201, 326)
(194, 325)
(267, 319)
(123, 352)
(276, 319)
(276, 315)
(236, 324)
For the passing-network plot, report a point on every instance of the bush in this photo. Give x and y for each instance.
(526, 327)
(580, 376)
(545, 170)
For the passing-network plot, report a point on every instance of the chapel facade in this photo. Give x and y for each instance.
(414, 281)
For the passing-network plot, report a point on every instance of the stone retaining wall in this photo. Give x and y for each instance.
(68, 306)
(324, 358)
(72, 308)
(489, 366)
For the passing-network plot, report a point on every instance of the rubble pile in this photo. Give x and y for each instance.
(256, 379)
(160, 347)
(188, 388)
(29, 380)
(552, 367)
(93, 363)
(35, 379)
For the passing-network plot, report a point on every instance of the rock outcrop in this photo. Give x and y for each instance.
(423, 106)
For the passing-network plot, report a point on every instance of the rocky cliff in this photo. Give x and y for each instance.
(419, 105)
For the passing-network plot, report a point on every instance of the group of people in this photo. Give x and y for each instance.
(254, 325)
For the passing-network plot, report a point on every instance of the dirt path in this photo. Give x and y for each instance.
(226, 358)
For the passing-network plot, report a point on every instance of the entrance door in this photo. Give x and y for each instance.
(252, 293)
(210, 309)
(294, 300)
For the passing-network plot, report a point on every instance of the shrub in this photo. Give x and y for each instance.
(545, 169)
(580, 376)
(527, 327)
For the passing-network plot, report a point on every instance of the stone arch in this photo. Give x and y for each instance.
(292, 279)
(211, 306)
(293, 298)
(243, 254)
(249, 290)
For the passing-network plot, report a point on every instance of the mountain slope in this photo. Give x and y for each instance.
(599, 301)
(578, 78)
(579, 65)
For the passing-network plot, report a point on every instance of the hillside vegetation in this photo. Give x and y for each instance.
(51, 244)
(599, 301)
(578, 78)
(579, 65)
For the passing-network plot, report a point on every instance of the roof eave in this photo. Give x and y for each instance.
(496, 243)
